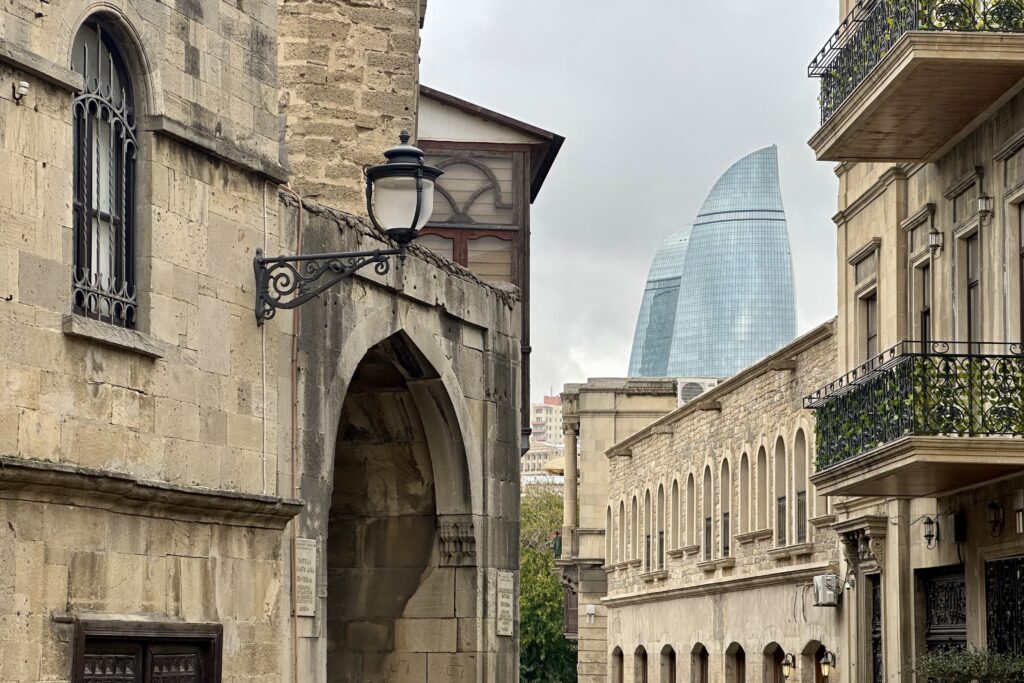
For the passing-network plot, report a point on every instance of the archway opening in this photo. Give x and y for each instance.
(400, 486)
(735, 664)
(668, 665)
(773, 657)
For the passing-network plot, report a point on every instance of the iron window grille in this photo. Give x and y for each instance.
(801, 516)
(661, 549)
(725, 534)
(707, 538)
(780, 519)
(647, 551)
(105, 148)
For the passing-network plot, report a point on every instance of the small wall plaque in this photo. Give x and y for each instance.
(505, 603)
(305, 577)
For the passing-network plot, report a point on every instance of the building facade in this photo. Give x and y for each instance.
(719, 295)
(546, 421)
(331, 496)
(714, 532)
(918, 443)
(595, 416)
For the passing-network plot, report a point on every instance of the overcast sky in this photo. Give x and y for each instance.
(656, 98)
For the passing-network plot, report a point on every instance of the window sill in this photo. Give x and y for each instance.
(677, 552)
(721, 563)
(781, 553)
(633, 563)
(751, 536)
(118, 337)
(822, 521)
(659, 574)
(691, 550)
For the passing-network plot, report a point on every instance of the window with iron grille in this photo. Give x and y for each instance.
(141, 652)
(105, 146)
(707, 538)
(781, 520)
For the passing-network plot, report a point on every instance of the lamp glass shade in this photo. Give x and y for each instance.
(394, 202)
(787, 669)
(826, 668)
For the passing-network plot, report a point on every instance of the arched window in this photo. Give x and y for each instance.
(668, 665)
(691, 511)
(661, 526)
(707, 497)
(608, 537)
(620, 554)
(618, 668)
(699, 664)
(781, 515)
(744, 494)
(105, 148)
(762, 489)
(810, 663)
(677, 525)
(800, 485)
(647, 530)
(735, 664)
(773, 656)
(640, 665)
(725, 501)
(634, 532)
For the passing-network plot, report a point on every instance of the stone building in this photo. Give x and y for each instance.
(714, 532)
(918, 443)
(185, 494)
(595, 416)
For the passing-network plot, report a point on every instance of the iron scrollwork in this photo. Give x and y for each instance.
(874, 27)
(290, 281)
(924, 389)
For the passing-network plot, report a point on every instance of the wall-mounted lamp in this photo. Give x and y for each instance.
(827, 663)
(995, 517)
(399, 201)
(931, 531)
(20, 89)
(934, 241)
(788, 664)
(851, 581)
(1018, 509)
(986, 207)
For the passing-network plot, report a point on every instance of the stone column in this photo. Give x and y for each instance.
(569, 490)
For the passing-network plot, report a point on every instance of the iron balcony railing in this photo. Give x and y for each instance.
(920, 389)
(871, 30)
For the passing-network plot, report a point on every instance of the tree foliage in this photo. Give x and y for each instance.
(545, 656)
(967, 666)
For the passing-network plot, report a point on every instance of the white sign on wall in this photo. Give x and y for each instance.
(505, 602)
(305, 577)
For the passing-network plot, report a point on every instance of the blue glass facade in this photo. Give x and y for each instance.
(734, 301)
(652, 340)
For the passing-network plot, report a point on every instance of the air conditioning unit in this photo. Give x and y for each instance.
(827, 590)
(689, 388)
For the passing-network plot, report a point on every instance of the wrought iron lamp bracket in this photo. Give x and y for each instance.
(289, 281)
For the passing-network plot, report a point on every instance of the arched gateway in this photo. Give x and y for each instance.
(400, 521)
(407, 454)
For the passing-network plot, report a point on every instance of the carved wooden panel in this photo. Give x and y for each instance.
(176, 668)
(476, 189)
(490, 258)
(945, 607)
(112, 668)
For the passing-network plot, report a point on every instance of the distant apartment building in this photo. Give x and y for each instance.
(719, 295)
(546, 421)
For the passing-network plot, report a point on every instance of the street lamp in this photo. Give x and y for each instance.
(828, 662)
(399, 201)
(788, 664)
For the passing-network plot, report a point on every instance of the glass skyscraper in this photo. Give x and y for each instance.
(719, 295)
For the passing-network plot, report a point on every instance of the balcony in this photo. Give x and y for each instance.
(904, 80)
(921, 419)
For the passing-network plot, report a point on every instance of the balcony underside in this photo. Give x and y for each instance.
(923, 97)
(923, 466)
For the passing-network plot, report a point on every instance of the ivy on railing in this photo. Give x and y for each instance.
(874, 27)
(927, 392)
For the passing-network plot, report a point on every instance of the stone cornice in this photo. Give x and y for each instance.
(790, 575)
(33, 480)
(765, 365)
(887, 178)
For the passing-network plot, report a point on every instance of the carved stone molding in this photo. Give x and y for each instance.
(863, 541)
(457, 541)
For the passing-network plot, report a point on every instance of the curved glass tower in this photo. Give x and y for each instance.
(655, 325)
(734, 297)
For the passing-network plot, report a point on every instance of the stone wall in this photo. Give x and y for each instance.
(761, 407)
(349, 85)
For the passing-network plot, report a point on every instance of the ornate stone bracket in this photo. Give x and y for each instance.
(863, 541)
(457, 540)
